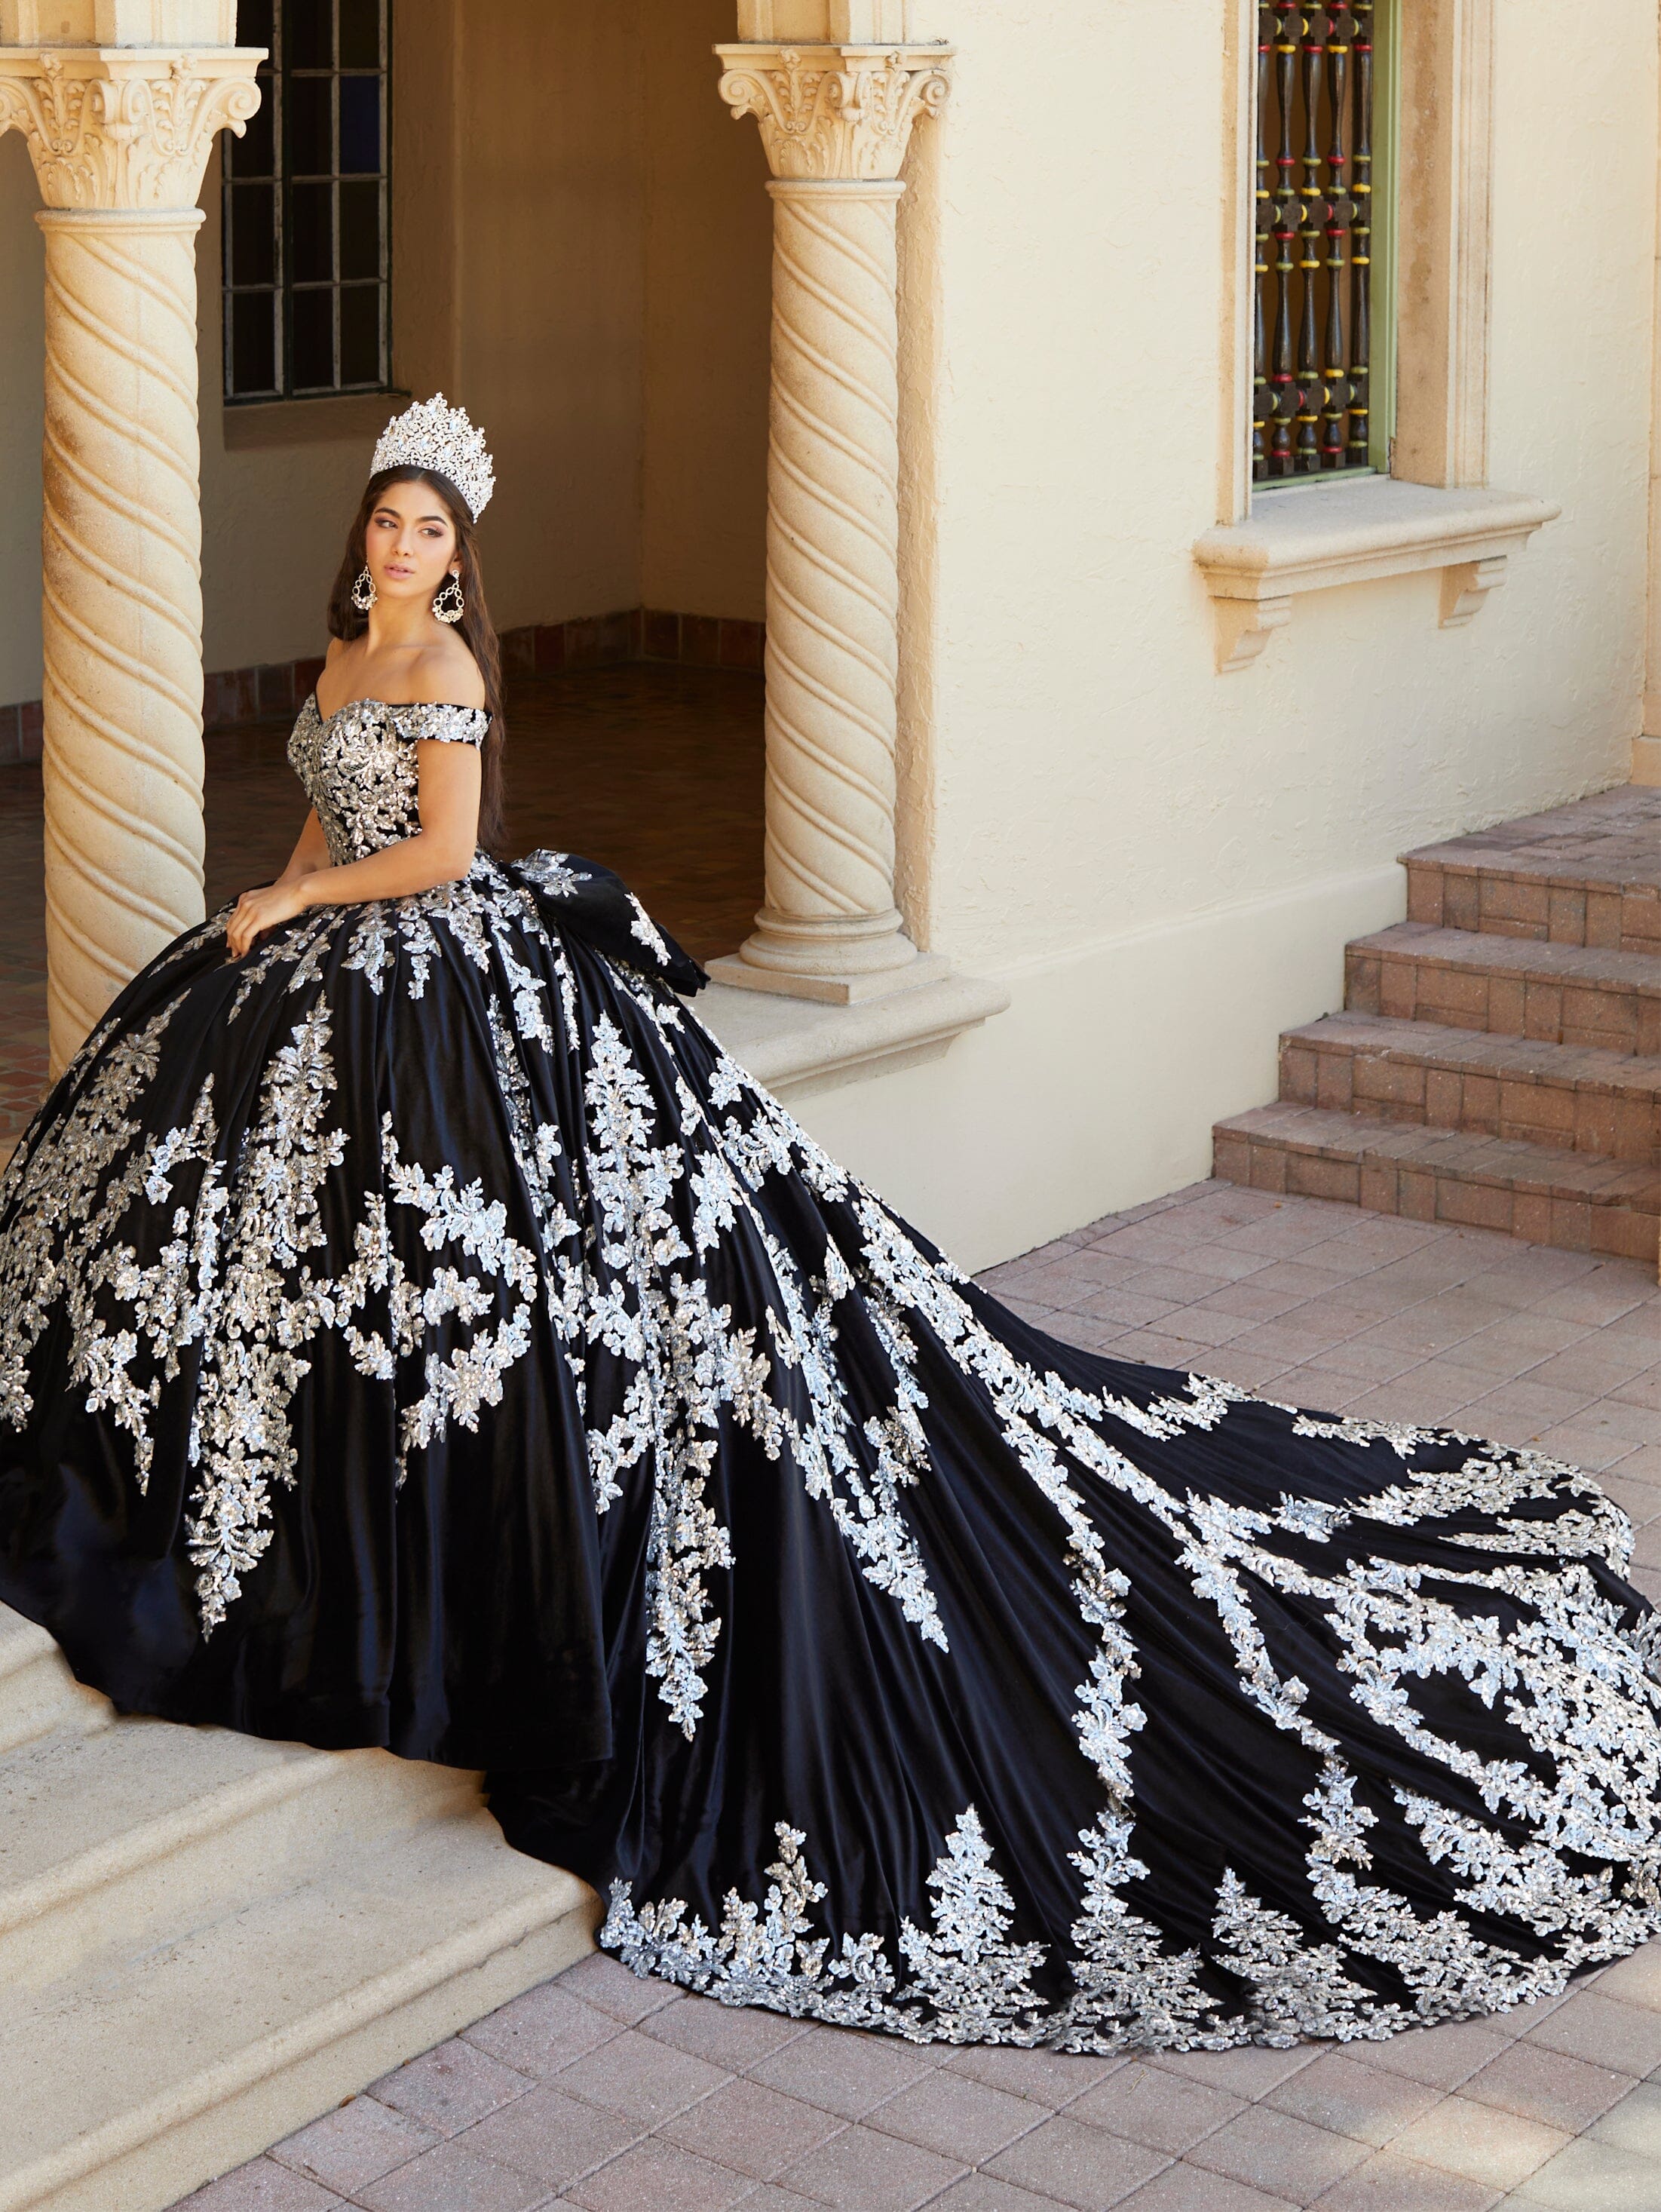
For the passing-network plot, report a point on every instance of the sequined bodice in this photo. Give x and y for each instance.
(358, 766)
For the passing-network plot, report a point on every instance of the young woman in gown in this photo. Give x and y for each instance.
(416, 1330)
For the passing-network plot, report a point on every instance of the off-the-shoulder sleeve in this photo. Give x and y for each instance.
(460, 725)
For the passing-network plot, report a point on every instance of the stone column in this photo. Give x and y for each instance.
(835, 120)
(119, 137)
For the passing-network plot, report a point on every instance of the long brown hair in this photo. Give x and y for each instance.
(477, 631)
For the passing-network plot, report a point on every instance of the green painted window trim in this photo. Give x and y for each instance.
(1387, 224)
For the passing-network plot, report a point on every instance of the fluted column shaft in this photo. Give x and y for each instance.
(835, 122)
(119, 138)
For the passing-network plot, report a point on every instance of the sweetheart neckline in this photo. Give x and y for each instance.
(393, 706)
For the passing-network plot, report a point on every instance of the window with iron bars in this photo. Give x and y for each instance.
(305, 213)
(1324, 383)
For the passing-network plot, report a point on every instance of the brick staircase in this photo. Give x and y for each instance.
(1498, 1060)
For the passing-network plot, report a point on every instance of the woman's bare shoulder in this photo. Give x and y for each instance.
(446, 675)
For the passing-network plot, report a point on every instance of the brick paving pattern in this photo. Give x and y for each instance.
(616, 2095)
(582, 749)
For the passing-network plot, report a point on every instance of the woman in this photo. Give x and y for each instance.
(416, 1330)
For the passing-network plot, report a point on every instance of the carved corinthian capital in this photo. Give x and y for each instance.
(123, 128)
(835, 112)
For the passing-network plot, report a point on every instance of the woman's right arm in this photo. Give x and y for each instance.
(310, 855)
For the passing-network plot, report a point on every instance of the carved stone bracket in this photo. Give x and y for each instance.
(1465, 587)
(1317, 536)
(125, 127)
(835, 111)
(1245, 626)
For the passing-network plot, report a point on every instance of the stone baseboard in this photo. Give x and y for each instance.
(234, 697)
(634, 634)
(20, 733)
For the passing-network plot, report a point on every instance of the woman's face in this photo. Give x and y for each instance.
(410, 544)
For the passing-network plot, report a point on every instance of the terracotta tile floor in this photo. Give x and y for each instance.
(656, 771)
(602, 2091)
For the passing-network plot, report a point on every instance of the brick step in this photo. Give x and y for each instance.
(1588, 874)
(1582, 1099)
(1540, 1192)
(1463, 979)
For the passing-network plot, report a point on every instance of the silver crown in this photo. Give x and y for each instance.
(430, 436)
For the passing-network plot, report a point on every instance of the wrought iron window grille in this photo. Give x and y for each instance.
(305, 205)
(1324, 351)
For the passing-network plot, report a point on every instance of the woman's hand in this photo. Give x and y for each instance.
(259, 910)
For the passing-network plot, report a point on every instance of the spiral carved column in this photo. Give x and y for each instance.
(122, 580)
(835, 122)
(119, 141)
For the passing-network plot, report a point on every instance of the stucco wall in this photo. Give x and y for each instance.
(1163, 862)
(581, 237)
(1096, 771)
(551, 268)
(708, 293)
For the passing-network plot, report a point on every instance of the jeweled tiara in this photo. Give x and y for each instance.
(430, 436)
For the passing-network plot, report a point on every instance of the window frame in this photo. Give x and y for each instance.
(1383, 260)
(1436, 510)
(276, 76)
(1383, 371)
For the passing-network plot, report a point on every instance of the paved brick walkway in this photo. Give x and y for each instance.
(619, 2096)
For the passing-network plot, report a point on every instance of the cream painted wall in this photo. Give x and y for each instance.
(708, 300)
(22, 267)
(551, 296)
(1163, 864)
(1095, 772)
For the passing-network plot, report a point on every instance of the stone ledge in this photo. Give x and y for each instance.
(1314, 537)
(797, 1047)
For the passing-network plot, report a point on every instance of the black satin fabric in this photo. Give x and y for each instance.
(455, 1616)
(487, 1610)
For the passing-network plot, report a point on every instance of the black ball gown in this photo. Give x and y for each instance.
(421, 1332)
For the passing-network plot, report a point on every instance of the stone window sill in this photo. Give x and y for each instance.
(799, 1046)
(309, 422)
(1319, 535)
